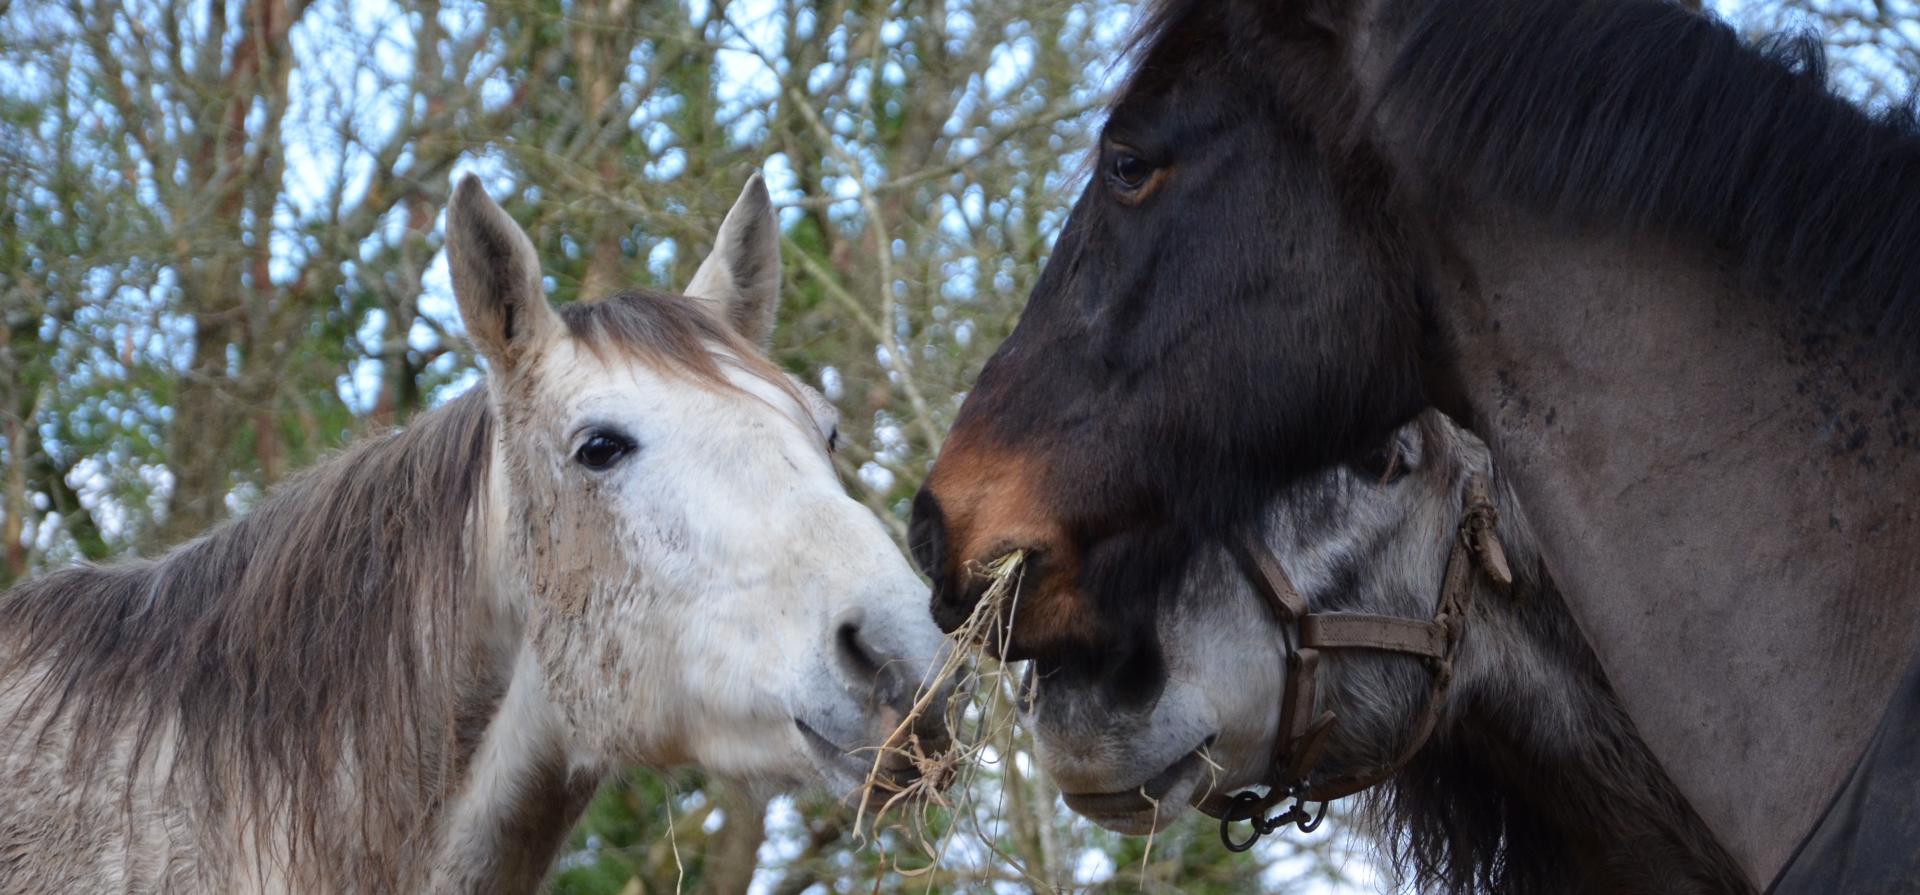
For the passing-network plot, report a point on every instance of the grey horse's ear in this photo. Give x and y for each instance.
(741, 278)
(496, 280)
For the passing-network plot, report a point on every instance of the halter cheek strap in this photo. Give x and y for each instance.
(1301, 740)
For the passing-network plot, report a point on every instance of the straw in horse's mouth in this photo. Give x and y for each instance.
(906, 769)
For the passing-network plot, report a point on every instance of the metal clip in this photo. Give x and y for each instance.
(1246, 806)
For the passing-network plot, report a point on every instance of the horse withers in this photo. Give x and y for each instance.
(409, 668)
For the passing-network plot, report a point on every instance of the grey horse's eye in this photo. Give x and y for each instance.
(1382, 464)
(602, 449)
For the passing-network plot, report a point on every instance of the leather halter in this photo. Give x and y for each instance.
(1302, 738)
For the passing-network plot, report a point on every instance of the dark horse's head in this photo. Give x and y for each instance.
(1231, 304)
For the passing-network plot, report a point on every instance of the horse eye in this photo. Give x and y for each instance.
(1128, 171)
(602, 449)
(1381, 465)
(833, 440)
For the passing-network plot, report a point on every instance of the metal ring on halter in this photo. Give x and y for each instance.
(1308, 826)
(1248, 801)
(1295, 815)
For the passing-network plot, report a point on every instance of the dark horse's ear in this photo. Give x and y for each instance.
(496, 280)
(740, 280)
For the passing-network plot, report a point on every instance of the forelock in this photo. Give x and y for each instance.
(674, 335)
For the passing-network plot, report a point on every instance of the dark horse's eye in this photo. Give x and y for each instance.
(1130, 171)
(603, 449)
(1130, 175)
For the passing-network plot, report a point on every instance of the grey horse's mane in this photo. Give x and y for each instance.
(313, 641)
(282, 649)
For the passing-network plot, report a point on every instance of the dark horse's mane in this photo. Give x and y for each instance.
(1645, 115)
(1642, 115)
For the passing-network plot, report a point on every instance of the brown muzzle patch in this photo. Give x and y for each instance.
(979, 504)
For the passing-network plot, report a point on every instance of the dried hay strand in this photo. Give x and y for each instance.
(980, 684)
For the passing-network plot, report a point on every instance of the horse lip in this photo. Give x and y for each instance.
(1033, 565)
(829, 752)
(976, 582)
(1143, 798)
(847, 761)
(956, 596)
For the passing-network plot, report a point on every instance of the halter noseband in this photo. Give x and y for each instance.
(1302, 738)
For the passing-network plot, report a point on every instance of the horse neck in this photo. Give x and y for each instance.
(519, 797)
(1716, 476)
(518, 790)
(1534, 779)
(1718, 500)
(1535, 742)
(406, 644)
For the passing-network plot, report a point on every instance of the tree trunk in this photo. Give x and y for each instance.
(230, 310)
(733, 852)
(18, 453)
(201, 443)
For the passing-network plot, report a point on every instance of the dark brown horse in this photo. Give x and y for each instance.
(1668, 277)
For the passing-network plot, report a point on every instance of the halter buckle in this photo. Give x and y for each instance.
(1249, 806)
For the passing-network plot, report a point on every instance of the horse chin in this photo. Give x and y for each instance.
(1152, 805)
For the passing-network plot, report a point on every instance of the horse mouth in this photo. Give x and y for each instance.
(851, 772)
(1149, 806)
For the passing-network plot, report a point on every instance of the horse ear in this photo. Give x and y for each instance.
(741, 278)
(496, 279)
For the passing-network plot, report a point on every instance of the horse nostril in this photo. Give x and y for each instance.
(927, 541)
(927, 535)
(890, 685)
(949, 612)
(855, 656)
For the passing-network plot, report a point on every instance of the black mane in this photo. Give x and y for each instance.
(1641, 114)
